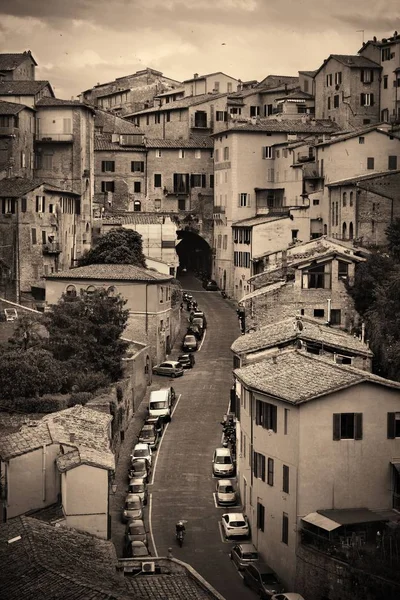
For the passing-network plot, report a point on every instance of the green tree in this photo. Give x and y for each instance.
(393, 238)
(29, 331)
(85, 333)
(118, 246)
(369, 275)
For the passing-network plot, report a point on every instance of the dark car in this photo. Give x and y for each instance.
(137, 550)
(157, 422)
(139, 469)
(210, 285)
(135, 532)
(187, 361)
(138, 487)
(195, 330)
(262, 579)
(243, 554)
(149, 435)
(199, 321)
(189, 343)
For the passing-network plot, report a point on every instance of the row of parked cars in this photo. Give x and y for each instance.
(197, 324)
(160, 406)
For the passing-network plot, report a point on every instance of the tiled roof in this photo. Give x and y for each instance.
(266, 289)
(110, 123)
(286, 330)
(355, 61)
(363, 178)
(11, 108)
(139, 218)
(111, 272)
(309, 73)
(207, 75)
(284, 125)
(27, 439)
(103, 142)
(18, 186)
(50, 562)
(178, 587)
(260, 220)
(85, 456)
(170, 92)
(181, 103)
(9, 62)
(384, 184)
(355, 133)
(22, 88)
(192, 142)
(298, 377)
(298, 94)
(46, 101)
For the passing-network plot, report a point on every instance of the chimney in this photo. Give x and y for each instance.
(72, 436)
(274, 360)
(195, 76)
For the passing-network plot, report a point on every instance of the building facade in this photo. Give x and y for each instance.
(17, 131)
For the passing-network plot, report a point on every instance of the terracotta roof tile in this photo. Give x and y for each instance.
(103, 142)
(85, 456)
(27, 439)
(298, 377)
(193, 142)
(283, 125)
(47, 101)
(177, 587)
(111, 272)
(139, 218)
(18, 186)
(12, 108)
(181, 103)
(23, 88)
(9, 62)
(355, 61)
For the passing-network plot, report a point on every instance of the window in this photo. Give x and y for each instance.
(336, 316)
(344, 199)
(319, 313)
(168, 116)
(370, 162)
(260, 516)
(216, 86)
(241, 259)
(347, 426)
(286, 421)
(221, 115)
(361, 140)
(157, 180)
(285, 479)
(137, 186)
(336, 101)
(343, 270)
(259, 466)
(70, 290)
(254, 111)
(197, 153)
(392, 163)
(23, 205)
(226, 153)
(329, 79)
(216, 155)
(268, 152)
(393, 425)
(367, 75)
(107, 186)
(244, 199)
(44, 237)
(316, 277)
(229, 87)
(266, 415)
(40, 204)
(211, 181)
(315, 202)
(181, 182)
(181, 153)
(225, 243)
(137, 206)
(270, 477)
(157, 118)
(158, 153)
(90, 290)
(385, 82)
(367, 99)
(137, 166)
(198, 180)
(9, 206)
(108, 166)
(386, 53)
(161, 295)
(285, 528)
(157, 204)
(351, 198)
(338, 78)
(295, 233)
(23, 160)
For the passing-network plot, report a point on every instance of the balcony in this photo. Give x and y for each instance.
(52, 248)
(55, 137)
(218, 209)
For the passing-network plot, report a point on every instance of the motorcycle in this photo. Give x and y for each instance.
(179, 536)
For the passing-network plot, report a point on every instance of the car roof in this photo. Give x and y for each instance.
(185, 355)
(147, 426)
(262, 567)
(224, 482)
(139, 461)
(136, 481)
(132, 497)
(247, 547)
(138, 543)
(140, 446)
(135, 522)
(235, 516)
(223, 451)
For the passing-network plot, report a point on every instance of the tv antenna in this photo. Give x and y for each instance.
(361, 31)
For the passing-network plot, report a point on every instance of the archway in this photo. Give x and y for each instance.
(194, 252)
(351, 231)
(344, 231)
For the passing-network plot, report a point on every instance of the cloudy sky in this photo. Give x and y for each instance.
(78, 43)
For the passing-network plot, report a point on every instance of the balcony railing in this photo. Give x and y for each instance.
(219, 209)
(52, 248)
(55, 137)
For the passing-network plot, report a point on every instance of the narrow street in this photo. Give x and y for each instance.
(182, 483)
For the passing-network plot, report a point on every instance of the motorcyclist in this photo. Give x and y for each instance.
(180, 527)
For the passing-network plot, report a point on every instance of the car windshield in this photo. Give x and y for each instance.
(147, 433)
(250, 555)
(136, 530)
(190, 338)
(138, 466)
(226, 489)
(137, 488)
(269, 578)
(158, 405)
(238, 523)
(223, 460)
(141, 551)
(132, 504)
(140, 452)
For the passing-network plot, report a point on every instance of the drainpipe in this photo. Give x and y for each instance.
(44, 473)
(17, 265)
(329, 310)
(147, 316)
(362, 332)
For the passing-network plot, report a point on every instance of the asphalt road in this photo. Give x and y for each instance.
(182, 483)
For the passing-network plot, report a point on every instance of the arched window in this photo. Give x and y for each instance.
(325, 229)
(351, 202)
(337, 214)
(344, 198)
(333, 214)
(344, 231)
(87, 227)
(137, 206)
(112, 291)
(351, 231)
(90, 290)
(70, 290)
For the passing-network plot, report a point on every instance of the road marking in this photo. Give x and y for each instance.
(150, 527)
(215, 500)
(235, 506)
(224, 540)
(160, 444)
(202, 341)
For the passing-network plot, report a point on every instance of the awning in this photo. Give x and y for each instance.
(396, 466)
(352, 516)
(321, 521)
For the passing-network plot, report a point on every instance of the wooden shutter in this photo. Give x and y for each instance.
(37, 203)
(255, 470)
(103, 165)
(358, 433)
(142, 166)
(262, 467)
(362, 99)
(238, 199)
(391, 425)
(187, 176)
(336, 426)
(175, 182)
(274, 419)
(372, 76)
(371, 100)
(248, 199)
(362, 75)
(203, 180)
(23, 204)
(43, 203)
(191, 181)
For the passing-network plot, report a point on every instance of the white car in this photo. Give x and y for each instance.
(287, 596)
(142, 451)
(222, 463)
(235, 525)
(225, 493)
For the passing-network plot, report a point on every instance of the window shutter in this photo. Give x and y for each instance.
(358, 433)
(263, 467)
(175, 181)
(23, 205)
(44, 204)
(336, 426)
(362, 75)
(391, 425)
(191, 180)
(362, 99)
(3, 206)
(142, 166)
(371, 99)
(37, 203)
(203, 180)
(263, 152)
(248, 199)
(372, 76)
(187, 182)
(274, 419)
(238, 199)
(103, 165)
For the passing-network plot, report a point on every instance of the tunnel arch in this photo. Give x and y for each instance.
(194, 252)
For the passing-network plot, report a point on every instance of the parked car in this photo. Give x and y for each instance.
(225, 493)
(140, 469)
(195, 330)
(199, 321)
(137, 550)
(142, 451)
(187, 361)
(132, 508)
(149, 435)
(287, 596)
(157, 423)
(189, 344)
(172, 368)
(262, 579)
(235, 525)
(243, 554)
(210, 285)
(135, 532)
(138, 486)
(200, 314)
(222, 463)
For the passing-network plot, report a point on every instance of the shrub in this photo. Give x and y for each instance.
(45, 404)
(87, 382)
(79, 398)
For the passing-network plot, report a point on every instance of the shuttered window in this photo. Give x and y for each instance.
(285, 479)
(393, 425)
(270, 479)
(347, 426)
(260, 516)
(266, 415)
(259, 466)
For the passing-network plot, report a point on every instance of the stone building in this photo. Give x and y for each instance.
(17, 131)
(17, 67)
(25, 92)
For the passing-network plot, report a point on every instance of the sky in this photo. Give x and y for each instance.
(79, 43)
